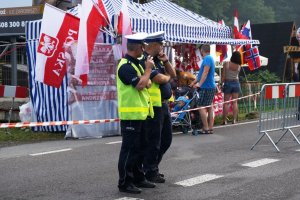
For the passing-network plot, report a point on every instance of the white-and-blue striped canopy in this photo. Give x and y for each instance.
(180, 25)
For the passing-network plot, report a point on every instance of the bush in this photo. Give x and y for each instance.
(262, 76)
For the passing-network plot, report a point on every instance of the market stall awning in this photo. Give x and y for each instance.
(179, 24)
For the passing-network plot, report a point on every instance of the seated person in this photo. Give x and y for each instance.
(180, 103)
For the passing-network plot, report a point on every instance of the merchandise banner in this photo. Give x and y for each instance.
(97, 100)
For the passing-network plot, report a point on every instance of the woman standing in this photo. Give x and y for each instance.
(231, 88)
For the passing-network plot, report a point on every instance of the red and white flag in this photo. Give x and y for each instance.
(252, 58)
(58, 28)
(221, 50)
(236, 25)
(124, 25)
(93, 16)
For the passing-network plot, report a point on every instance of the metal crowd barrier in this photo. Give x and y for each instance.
(291, 104)
(279, 110)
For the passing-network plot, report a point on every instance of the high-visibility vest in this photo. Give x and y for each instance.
(155, 94)
(133, 104)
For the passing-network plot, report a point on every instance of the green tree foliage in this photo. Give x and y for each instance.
(216, 9)
(257, 11)
(192, 5)
(262, 76)
(285, 10)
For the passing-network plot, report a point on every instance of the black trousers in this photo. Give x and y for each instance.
(131, 153)
(159, 138)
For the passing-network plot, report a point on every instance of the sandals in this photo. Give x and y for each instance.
(206, 131)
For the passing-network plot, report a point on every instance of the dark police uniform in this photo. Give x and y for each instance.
(159, 128)
(131, 154)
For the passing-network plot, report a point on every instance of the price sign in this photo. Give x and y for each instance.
(12, 20)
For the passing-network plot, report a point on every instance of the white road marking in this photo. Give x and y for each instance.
(222, 126)
(260, 162)
(298, 150)
(236, 124)
(199, 179)
(49, 152)
(116, 142)
(129, 198)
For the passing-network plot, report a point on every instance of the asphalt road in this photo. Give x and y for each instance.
(219, 166)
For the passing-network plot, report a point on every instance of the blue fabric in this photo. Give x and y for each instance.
(179, 25)
(231, 87)
(49, 103)
(209, 82)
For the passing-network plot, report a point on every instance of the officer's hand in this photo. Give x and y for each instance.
(149, 62)
(162, 56)
(149, 84)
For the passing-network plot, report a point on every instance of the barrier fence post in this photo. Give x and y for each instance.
(271, 115)
(13, 92)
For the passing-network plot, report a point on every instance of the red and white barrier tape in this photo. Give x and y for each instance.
(215, 104)
(59, 123)
(13, 91)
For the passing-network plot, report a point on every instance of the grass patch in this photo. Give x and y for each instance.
(241, 117)
(24, 135)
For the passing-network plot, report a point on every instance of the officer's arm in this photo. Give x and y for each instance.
(144, 79)
(161, 78)
(170, 69)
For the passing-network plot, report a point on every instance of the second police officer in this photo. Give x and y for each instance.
(159, 128)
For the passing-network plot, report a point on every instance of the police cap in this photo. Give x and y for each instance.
(156, 37)
(137, 38)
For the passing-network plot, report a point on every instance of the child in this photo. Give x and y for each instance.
(181, 101)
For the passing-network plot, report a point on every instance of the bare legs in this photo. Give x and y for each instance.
(207, 118)
(226, 107)
(234, 107)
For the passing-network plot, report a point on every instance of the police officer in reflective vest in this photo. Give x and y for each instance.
(134, 107)
(159, 128)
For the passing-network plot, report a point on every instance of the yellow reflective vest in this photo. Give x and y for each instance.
(155, 94)
(133, 104)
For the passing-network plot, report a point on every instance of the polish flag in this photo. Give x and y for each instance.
(236, 25)
(221, 50)
(124, 25)
(58, 28)
(93, 16)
